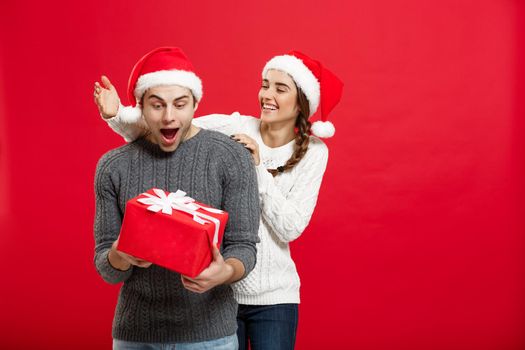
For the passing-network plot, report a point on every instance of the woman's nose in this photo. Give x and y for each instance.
(267, 94)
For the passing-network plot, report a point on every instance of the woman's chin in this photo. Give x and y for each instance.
(267, 116)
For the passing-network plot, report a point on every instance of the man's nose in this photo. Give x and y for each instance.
(169, 115)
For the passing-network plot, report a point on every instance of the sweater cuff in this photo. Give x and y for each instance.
(246, 254)
(116, 116)
(108, 272)
(263, 178)
(115, 120)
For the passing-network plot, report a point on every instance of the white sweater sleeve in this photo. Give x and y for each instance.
(224, 123)
(288, 214)
(129, 131)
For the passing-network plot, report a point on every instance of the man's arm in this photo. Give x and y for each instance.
(107, 224)
(241, 201)
(219, 272)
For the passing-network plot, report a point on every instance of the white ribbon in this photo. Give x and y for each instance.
(179, 201)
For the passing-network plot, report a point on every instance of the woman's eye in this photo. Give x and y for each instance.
(264, 86)
(281, 90)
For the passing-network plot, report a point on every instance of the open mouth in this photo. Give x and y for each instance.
(169, 135)
(269, 107)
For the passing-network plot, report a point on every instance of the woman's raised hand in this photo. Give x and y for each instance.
(106, 98)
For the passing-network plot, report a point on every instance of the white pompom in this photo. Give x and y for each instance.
(323, 129)
(130, 114)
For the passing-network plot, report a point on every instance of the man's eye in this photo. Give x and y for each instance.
(180, 105)
(157, 106)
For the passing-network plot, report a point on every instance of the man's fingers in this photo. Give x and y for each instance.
(129, 260)
(142, 263)
(216, 253)
(191, 285)
(134, 261)
(194, 282)
(189, 279)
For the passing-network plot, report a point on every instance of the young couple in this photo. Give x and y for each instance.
(158, 308)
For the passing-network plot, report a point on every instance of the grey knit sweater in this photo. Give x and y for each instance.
(153, 306)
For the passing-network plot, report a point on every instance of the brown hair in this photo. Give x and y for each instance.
(302, 135)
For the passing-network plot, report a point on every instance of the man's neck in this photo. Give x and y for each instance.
(192, 131)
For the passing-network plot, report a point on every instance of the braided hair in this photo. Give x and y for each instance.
(302, 135)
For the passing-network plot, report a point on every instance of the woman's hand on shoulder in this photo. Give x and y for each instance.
(250, 144)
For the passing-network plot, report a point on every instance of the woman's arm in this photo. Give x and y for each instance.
(227, 124)
(288, 214)
(223, 123)
(129, 131)
(109, 106)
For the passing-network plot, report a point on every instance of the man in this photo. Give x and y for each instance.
(157, 306)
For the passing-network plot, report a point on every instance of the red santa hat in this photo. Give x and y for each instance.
(159, 67)
(321, 87)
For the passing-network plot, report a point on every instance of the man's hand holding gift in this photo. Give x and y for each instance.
(219, 272)
(123, 261)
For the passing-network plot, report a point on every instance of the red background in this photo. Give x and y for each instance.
(418, 237)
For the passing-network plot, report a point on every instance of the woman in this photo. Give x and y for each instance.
(290, 164)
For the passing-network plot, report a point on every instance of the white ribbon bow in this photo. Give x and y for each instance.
(179, 201)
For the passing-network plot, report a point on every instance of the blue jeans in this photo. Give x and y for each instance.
(226, 343)
(267, 327)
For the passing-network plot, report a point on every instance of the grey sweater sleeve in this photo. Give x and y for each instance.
(108, 220)
(241, 201)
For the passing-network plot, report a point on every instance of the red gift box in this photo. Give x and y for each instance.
(171, 230)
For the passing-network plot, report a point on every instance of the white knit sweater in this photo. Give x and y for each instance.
(287, 203)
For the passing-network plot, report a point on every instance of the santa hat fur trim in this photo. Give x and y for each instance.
(323, 129)
(169, 77)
